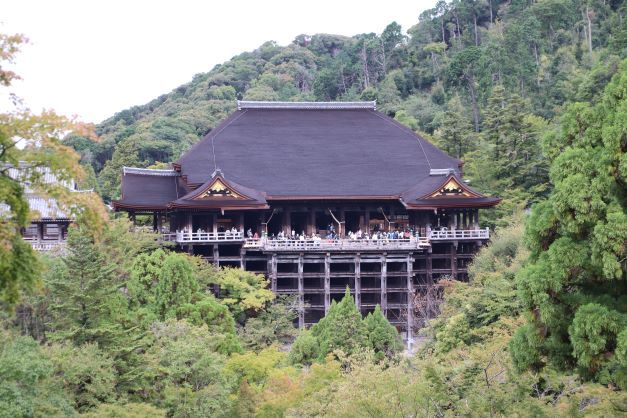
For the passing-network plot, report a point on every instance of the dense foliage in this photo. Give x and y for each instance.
(574, 285)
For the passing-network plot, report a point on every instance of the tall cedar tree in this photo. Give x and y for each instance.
(342, 328)
(575, 284)
(382, 336)
(86, 297)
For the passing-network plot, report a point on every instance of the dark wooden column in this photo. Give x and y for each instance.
(301, 293)
(410, 298)
(358, 281)
(272, 269)
(327, 282)
(454, 260)
(287, 221)
(384, 284)
(311, 224)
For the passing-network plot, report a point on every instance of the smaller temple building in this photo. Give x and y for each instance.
(49, 224)
(318, 197)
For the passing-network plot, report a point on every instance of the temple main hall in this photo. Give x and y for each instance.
(318, 197)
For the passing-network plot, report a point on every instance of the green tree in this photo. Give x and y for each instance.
(241, 290)
(275, 324)
(85, 293)
(342, 328)
(86, 373)
(455, 133)
(305, 350)
(177, 285)
(27, 386)
(184, 374)
(145, 274)
(382, 336)
(574, 286)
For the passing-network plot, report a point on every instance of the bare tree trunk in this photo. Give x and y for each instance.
(473, 98)
(459, 35)
(589, 31)
(476, 33)
(491, 15)
(364, 57)
(442, 26)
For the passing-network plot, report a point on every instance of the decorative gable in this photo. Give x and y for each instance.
(452, 188)
(218, 189)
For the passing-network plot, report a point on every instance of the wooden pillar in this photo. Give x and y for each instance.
(327, 282)
(154, 222)
(190, 223)
(454, 260)
(301, 293)
(342, 229)
(272, 268)
(311, 222)
(367, 221)
(242, 258)
(358, 281)
(214, 221)
(429, 266)
(384, 284)
(410, 301)
(216, 255)
(240, 226)
(287, 222)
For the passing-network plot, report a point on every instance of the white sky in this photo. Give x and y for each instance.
(94, 58)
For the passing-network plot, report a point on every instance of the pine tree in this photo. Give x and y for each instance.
(455, 134)
(85, 292)
(342, 328)
(383, 336)
(574, 285)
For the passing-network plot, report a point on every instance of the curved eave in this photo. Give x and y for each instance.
(329, 197)
(218, 207)
(457, 203)
(122, 205)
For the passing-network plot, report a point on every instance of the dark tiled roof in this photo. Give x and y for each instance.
(148, 191)
(302, 152)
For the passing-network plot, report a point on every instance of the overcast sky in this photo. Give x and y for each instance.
(94, 58)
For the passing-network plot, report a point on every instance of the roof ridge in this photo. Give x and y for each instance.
(249, 104)
(150, 171)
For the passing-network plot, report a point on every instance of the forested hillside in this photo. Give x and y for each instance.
(532, 95)
(483, 79)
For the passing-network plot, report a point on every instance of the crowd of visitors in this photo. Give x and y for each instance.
(329, 234)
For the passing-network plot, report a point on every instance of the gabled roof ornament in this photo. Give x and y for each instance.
(217, 172)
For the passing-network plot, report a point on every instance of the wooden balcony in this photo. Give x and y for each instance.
(336, 244)
(181, 237)
(459, 234)
(46, 246)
